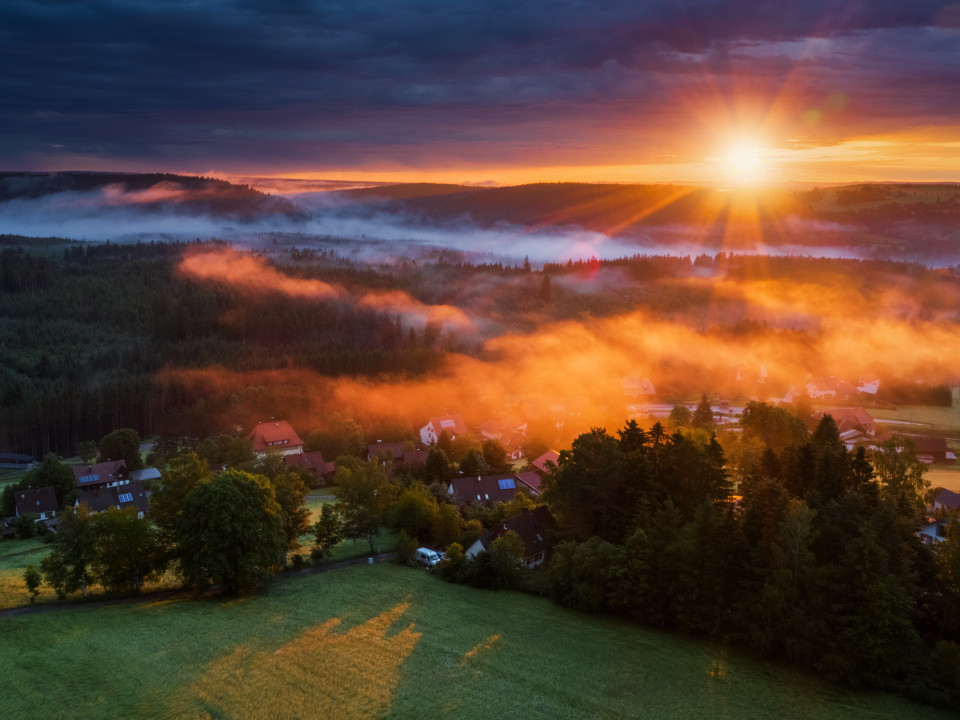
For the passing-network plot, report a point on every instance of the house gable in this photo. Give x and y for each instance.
(536, 529)
(42, 502)
(453, 425)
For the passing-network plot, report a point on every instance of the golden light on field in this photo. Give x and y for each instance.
(322, 673)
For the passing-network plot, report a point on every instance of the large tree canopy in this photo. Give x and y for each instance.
(122, 444)
(230, 532)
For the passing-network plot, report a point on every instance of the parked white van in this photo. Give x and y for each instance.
(427, 557)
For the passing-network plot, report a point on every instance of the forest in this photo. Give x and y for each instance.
(99, 336)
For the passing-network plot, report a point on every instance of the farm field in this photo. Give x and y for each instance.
(391, 642)
(926, 416)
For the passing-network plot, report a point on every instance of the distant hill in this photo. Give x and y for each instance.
(184, 194)
(875, 215)
(610, 209)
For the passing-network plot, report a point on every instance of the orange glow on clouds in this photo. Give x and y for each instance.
(251, 273)
(398, 301)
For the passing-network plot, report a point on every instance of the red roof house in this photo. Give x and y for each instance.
(551, 456)
(275, 435)
(105, 474)
(532, 480)
(312, 461)
(850, 419)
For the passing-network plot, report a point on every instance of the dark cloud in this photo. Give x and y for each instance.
(232, 83)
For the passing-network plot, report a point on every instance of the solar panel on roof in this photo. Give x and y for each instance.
(507, 484)
(125, 497)
(88, 478)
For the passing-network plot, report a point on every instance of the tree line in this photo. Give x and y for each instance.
(815, 560)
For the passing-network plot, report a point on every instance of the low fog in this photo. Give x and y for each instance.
(368, 233)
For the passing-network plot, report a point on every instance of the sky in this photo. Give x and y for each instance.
(486, 91)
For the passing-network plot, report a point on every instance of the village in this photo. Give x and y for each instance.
(495, 476)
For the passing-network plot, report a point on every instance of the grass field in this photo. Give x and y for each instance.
(390, 642)
(15, 555)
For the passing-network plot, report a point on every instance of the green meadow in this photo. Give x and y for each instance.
(390, 642)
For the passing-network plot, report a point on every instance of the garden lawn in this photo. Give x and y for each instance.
(386, 641)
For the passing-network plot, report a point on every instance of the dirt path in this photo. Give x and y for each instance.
(174, 594)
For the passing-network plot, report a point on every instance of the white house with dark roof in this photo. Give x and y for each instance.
(536, 529)
(41, 502)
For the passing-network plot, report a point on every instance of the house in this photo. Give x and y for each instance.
(930, 449)
(382, 452)
(933, 532)
(510, 433)
(484, 489)
(106, 474)
(42, 502)
(453, 425)
(536, 529)
(415, 456)
(8, 528)
(550, 456)
(313, 462)
(103, 498)
(144, 475)
(870, 386)
(276, 435)
(850, 419)
(532, 480)
(946, 500)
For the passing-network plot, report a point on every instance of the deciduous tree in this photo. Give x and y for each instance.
(327, 531)
(230, 532)
(33, 580)
(127, 550)
(122, 444)
(365, 497)
(66, 567)
(291, 493)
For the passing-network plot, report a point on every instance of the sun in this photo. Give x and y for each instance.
(746, 163)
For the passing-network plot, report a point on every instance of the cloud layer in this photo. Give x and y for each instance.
(248, 85)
